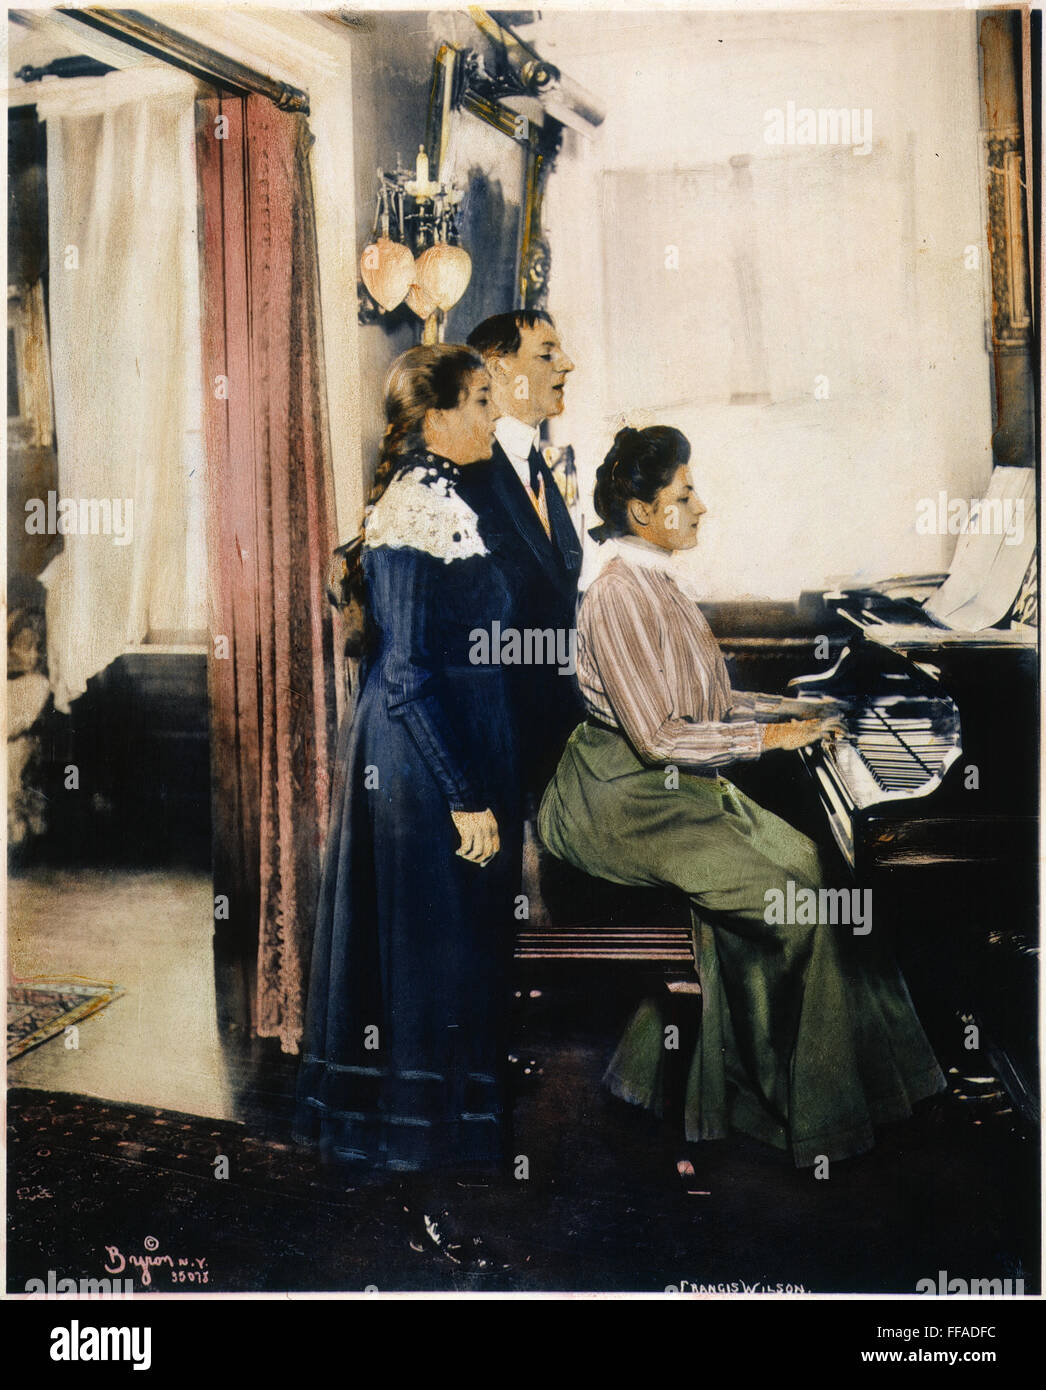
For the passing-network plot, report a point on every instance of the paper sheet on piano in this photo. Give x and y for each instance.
(989, 564)
(986, 573)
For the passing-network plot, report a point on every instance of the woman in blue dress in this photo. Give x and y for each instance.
(406, 1027)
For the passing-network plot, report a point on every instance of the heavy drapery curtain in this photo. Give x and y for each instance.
(125, 334)
(272, 664)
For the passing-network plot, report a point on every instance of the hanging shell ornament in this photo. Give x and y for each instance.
(420, 302)
(387, 269)
(443, 273)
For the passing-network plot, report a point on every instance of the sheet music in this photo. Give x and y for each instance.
(988, 567)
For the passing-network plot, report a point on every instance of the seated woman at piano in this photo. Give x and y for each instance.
(808, 1037)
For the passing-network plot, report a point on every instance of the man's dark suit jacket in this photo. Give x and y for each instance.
(545, 572)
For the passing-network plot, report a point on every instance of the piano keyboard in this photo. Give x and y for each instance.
(902, 754)
(892, 750)
(895, 785)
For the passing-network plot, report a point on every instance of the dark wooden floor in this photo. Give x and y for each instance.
(602, 1209)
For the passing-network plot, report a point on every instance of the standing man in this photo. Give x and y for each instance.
(521, 508)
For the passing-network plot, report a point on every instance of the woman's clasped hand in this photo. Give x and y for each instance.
(479, 835)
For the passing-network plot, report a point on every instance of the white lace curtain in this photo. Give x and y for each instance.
(125, 345)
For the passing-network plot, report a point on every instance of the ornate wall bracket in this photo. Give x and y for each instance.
(461, 82)
(489, 85)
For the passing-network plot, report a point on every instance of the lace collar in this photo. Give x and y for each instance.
(640, 554)
(433, 465)
(421, 509)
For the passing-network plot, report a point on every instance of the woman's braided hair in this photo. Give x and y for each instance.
(433, 377)
(423, 378)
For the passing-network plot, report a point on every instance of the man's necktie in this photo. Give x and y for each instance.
(537, 492)
(535, 472)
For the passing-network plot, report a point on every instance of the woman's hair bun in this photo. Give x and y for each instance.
(638, 465)
(624, 436)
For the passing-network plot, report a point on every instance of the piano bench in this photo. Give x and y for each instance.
(594, 920)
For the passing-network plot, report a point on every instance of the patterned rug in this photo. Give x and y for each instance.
(41, 1009)
(183, 1204)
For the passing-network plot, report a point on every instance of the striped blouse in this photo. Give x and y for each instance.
(648, 664)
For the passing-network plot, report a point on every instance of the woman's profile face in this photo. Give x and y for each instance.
(671, 521)
(465, 434)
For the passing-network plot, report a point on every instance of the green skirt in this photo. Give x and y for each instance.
(808, 1035)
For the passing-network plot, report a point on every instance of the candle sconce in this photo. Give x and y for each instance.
(510, 88)
(414, 257)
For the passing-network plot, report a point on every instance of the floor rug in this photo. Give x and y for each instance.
(41, 1009)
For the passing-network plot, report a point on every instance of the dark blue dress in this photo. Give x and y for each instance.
(406, 1028)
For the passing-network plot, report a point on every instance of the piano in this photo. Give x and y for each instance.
(937, 760)
(930, 792)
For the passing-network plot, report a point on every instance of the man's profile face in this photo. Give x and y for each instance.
(534, 377)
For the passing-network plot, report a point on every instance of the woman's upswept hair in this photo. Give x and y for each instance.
(422, 378)
(640, 463)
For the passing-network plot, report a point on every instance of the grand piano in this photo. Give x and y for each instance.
(930, 790)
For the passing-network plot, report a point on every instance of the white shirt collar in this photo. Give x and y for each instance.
(517, 439)
(642, 554)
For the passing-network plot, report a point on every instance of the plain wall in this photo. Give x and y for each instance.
(857, 273)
